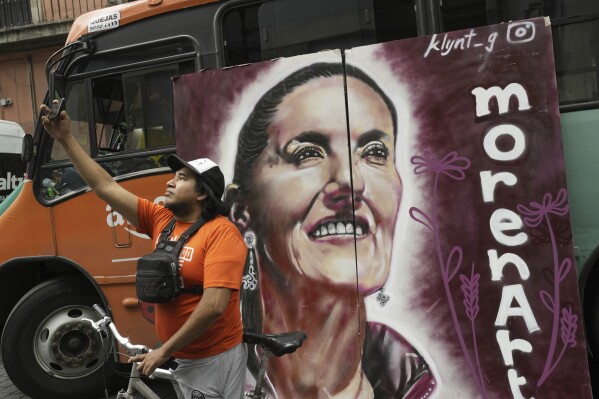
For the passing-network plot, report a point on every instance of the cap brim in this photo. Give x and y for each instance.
(176, 163)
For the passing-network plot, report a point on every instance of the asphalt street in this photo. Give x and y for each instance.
(9, 391)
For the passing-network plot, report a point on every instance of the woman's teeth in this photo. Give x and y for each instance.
(337, 228)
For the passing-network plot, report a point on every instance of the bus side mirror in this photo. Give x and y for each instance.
(27, 150)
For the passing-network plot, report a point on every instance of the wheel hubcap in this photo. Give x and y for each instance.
(66, 346)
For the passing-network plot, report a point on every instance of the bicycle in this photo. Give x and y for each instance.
(272, 345)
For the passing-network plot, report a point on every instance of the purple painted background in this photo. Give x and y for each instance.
(439, 298)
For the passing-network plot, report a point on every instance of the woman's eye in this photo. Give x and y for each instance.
(376, 153)
(305, 153)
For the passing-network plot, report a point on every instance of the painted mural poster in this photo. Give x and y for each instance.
(405, 204)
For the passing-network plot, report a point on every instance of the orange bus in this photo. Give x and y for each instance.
(63, 248)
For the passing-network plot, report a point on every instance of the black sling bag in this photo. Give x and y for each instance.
(157, 279)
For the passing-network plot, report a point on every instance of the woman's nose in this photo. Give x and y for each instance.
(345, 171)
(345, 181)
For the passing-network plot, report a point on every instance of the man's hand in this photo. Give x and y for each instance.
(148, 362)
(59, 127)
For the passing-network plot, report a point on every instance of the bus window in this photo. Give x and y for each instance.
(241, 35)
(76, 106)
(507, 10)
(133, 112)
(290, 27)
(394, 19)
(576, 58)
(463, 14)
(109, 113)
(580, 152)
(285, 28)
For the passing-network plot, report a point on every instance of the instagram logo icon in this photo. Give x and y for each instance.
(520, 32)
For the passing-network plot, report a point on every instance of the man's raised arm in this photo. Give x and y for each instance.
(121, 200)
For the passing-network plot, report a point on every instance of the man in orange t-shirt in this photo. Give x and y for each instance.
(204, 333)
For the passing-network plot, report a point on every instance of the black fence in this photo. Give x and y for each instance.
(14, 13)
(19, 13)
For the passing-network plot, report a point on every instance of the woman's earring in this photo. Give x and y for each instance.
(381, 297)
(250, 278)
(251, 300)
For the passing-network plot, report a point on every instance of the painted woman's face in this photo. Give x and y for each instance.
(302, 185)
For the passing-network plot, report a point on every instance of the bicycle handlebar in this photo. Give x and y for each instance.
(105, 322)
(99, 310)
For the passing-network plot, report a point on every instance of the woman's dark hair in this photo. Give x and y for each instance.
(253, 137)
(212, 206)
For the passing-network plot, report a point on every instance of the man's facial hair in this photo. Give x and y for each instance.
(178, 209)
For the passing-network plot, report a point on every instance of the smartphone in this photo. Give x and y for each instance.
(56, 108)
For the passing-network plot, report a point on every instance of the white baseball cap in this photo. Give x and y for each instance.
(205, 168)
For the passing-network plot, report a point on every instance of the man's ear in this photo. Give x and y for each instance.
(201, 197)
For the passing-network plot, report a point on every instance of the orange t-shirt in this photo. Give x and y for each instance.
(212, 257)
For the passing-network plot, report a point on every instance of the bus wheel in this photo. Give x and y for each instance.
(49, 351)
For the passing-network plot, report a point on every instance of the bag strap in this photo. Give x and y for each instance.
(186, 234)
(166, 232)
(193, 228)
(165, 244)
(169, 246)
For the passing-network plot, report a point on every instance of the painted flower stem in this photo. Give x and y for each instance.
(446, 278)
(536, 213)
(482, 389)
(548, 368)
(472, 318)
(452, 166)
(561, 354)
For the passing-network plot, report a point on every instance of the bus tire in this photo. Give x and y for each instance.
(49, 352)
